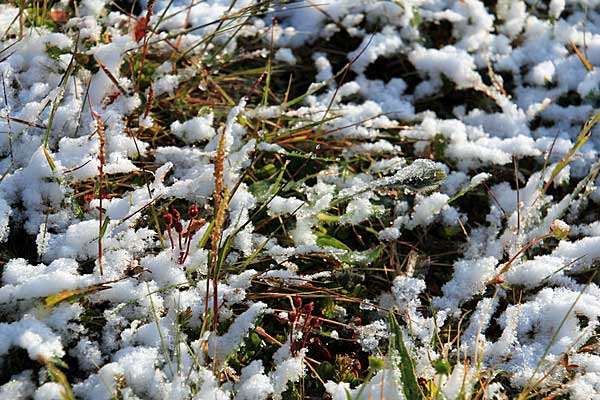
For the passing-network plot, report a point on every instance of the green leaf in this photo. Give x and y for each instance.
(326, 370)
(206, 235)
(472, 185)
(254, 340)
(348, 395)
(415, 21)
(407, 365)
(49, 159)
(328, 241)
(104, 227)
(327, 217)
(266, 171)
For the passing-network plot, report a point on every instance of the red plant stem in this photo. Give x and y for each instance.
(305, 331)
(188, 240)
(215, 304)
(187, 251)
(149, 13)
(292, 339)
(521, 251)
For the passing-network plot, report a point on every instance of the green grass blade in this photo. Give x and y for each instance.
(407, 365)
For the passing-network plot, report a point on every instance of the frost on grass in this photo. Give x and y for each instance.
(422, 158)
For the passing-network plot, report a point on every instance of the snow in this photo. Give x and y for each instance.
(280, 205)
(428, 208)
(20, 387)
(468, 280)
(511, 86)
(32, 335)
(194, 130)
(383, 44)
(289, 369)
(457, 65)
(285, 55)
(49, 391)
(371, 334)
(385, 384)
(542, 73)
(254, 384)
(232, 340)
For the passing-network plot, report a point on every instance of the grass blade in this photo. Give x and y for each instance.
(407, 366)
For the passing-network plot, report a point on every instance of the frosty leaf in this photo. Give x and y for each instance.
(421, 174)
(366, 257)
(77, 210)
(266, 189)
(104, 226)
(475, 182)
(261, 190)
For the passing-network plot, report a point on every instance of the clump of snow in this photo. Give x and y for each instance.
(194, 130)
(428, 208)
(542, 73)
(469, 279)
(224, 345)
(5, 213)
(371, 334)
(19, 387)
(280, 205)
(254, 384)
(289, 369)
(285, 55)
(456, 65)
(32, 335)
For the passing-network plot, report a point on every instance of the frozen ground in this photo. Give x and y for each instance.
(435, 159)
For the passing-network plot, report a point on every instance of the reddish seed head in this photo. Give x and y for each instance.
(193, 211)
(309, 308)
(292, 316)
(176, 213)
(178, 226)
(316, 323)
(168, 218)
(297, 302)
